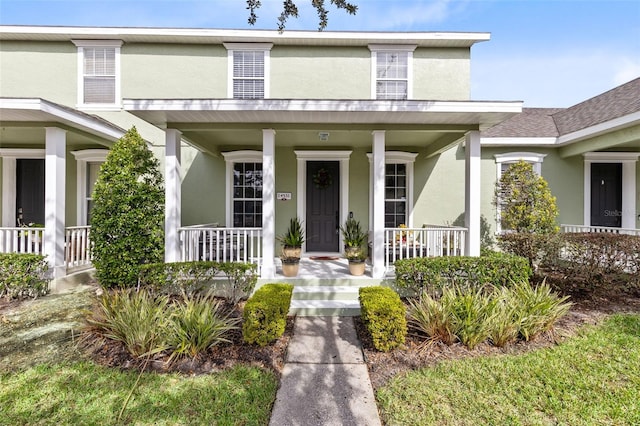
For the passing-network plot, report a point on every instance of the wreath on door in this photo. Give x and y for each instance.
(322, 178)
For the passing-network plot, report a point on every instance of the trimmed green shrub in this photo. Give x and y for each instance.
(384, 315)
(197, 324)
(23, 276)
(602, 253)
(190, 277)
(432, 274)
(539, 249)
(128, 213)
(265, 313)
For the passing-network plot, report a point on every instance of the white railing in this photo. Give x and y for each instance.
(431, 241)
(607, 229)
(77, 249)
(221, 244)
(21, 240)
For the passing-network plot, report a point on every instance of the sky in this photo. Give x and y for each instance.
(547, 53)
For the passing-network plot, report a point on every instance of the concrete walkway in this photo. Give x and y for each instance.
(325, 380)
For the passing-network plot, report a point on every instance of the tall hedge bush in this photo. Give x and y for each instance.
(128, 213)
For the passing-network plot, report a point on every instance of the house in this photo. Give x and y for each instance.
(255, 127)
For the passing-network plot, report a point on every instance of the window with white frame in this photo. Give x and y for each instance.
(89, 162)
(244, 180)
(248, 70)
(392, 71)
(503, 161)
(398, 189)
(99, 72)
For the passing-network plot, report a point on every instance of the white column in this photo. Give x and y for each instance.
(172, 196)
(9, 165)
(586, 212)
(472, 193)
(378, 164)
(268, 203)
(629, 194)
(54, 195)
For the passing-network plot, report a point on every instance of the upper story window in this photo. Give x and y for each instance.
(248, 70)
(392, 73)
(98, 73)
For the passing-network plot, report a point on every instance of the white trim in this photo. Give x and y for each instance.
(400, 48)
(392, 47)
(340, 156)
(519, 141)
(116, 45)
(629, 205)
(82, 158)
(55, 195)
(9, 158)
(601, 128)
(268, 203)
(472, 190)
(396, 157)
(230, 158)
(248, 46)
(377, 225)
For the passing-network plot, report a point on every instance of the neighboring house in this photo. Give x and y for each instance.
(255, 127)
(588, 153)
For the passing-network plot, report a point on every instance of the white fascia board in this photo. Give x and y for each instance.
(320, 105)
(20, 103)
(598, 129)
(519, 141)
(611, 157)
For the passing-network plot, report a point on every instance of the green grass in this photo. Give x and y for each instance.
(83, 393)
(592, 379)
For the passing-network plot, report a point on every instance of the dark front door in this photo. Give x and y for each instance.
(606, 194)
(323, 206)
(30, 191)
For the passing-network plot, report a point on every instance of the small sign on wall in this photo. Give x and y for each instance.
(283, 196)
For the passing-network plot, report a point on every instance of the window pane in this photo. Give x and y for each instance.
(391, 90)
(392, 65)
(100, 90)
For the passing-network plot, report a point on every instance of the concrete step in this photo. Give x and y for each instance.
(315, 282)
(325, 293)
(308, 308)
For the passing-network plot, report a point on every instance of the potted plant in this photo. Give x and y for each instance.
(292, 240)
(354, 241)
(290, 266)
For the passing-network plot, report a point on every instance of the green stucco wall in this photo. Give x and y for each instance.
(39, 70)
(169, 71)
(441, 74)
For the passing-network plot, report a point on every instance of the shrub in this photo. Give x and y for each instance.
(539, 249)
(538, 308)
(431, 274)
(602, 253)
(197, 324)
(525, 201)
(428, 316)
(470, 310)
(384, 315)
(23, 276)
(136, 319)
(128, 213)
(504, 325)
(265, 313)
(190, 277)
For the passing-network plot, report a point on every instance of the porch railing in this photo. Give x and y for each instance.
(221, 244)
(77, 249)
(21, 240)
(612, 230)
(430, 241)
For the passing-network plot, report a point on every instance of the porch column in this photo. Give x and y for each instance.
(629, 194)
(378, 164)
(173, 196)
(54, 196)
(9, 166)
(268, 203)
(472, 193)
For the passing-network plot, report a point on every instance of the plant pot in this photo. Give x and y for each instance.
(356, 267)
(290, 269)
(291, 251)
(350, 252)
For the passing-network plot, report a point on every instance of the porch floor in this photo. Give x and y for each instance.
(327, 266)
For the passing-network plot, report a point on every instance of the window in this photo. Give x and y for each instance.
(244, 196)
(398, 189)
(89, 162)
(98, 70)
(248, 70)
(392, 71)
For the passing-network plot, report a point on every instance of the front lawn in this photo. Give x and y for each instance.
(85, 393)
(593, 378)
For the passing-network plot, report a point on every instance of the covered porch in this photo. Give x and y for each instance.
(214, 147)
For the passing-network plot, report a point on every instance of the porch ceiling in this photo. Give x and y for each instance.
(213, 124)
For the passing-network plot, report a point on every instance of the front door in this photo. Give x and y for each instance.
(30, 191)
(323, 206)
(606, 194)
